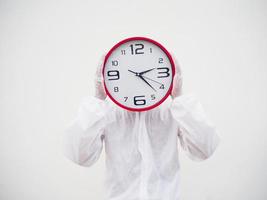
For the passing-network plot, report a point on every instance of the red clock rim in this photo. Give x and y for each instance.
(163, 49)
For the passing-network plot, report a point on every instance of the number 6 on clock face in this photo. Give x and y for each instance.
(138, 74)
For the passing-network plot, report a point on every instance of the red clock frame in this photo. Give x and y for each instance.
(163, 49)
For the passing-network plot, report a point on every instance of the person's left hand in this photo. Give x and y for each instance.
(177, 80)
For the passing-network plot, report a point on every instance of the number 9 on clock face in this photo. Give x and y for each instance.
(138, 74)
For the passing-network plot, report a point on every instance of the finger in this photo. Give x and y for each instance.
(176, 65)
(177, 85)
(100, 67)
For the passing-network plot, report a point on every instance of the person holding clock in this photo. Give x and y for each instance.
(140, 114)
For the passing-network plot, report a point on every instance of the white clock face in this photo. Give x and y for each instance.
(138, 74)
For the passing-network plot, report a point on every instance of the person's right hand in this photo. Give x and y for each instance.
(177, 80)
(99, 82)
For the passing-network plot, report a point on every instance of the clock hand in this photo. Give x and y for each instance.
(146, 82)
(133, 72)
(141, 73)
(152, 80)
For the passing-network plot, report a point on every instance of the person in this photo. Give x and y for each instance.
(142, 161)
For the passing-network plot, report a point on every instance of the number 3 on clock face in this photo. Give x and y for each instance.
(138, 74)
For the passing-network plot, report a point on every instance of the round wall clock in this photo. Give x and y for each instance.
(138, 74)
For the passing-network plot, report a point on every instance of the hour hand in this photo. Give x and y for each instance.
(143, 72)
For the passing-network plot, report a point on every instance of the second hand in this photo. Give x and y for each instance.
(152, 80)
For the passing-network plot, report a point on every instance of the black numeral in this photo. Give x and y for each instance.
(125, 99)
(139, 100)
(161, 87)
(150, 50)
(164, 72)
(123, 52)
(138, 49)
(153, 97)
(114, 74)
(160, 60)
(116, 89)
(114, 63)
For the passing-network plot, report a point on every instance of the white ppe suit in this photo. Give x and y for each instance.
(141, 148)
(142, 161)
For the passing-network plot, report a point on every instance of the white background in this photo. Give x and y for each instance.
(48, 54)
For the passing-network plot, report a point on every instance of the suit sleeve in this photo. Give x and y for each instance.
(83, 138)
(198, 136)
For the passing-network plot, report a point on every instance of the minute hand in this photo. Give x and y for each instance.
(152, 80)
(146, 82)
